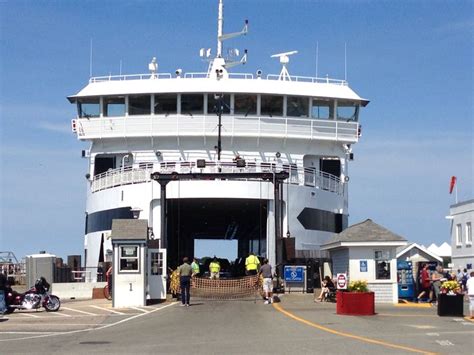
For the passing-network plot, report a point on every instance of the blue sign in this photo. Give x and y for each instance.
(363, 265)
(294, 273)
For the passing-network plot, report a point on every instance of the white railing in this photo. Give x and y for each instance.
(204, 125)
(136, 175)
(200, 75)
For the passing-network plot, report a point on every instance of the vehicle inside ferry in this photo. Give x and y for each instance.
(243, 221)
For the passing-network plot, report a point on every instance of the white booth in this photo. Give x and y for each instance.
(367, 251)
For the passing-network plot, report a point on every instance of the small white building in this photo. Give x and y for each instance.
(367, 251)
(462, 219)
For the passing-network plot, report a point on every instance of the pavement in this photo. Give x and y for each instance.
(295, 325)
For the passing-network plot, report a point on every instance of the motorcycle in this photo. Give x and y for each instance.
(36, 297)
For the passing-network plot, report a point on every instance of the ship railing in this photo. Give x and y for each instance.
(309, 79)
(98, 79)
(204, 125)
(203, 75)
(135, 175)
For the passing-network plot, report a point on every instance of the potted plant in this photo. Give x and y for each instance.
(358, 300)
(450, 300)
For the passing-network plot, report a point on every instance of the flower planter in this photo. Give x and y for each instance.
(450, 305)
(355, 303)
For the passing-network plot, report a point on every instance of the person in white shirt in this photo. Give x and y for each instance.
(470, 292)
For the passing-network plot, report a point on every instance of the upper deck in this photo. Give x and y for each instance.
(161, 104)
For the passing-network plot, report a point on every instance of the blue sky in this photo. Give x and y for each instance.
(412, 59)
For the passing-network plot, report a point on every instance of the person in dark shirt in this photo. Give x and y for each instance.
(185, 271)
(326, 287)
(266, 272)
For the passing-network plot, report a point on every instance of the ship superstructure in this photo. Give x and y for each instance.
(220, 122)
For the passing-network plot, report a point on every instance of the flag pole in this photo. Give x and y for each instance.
(456, 193)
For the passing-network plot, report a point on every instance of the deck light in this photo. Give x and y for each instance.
(135, 212)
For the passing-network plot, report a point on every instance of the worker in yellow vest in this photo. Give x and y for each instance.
(214, 269)
(252, 264)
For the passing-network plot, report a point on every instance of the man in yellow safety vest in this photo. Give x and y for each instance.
(214, 268)
(252, 264)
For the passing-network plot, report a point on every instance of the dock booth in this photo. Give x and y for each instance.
(367, 251)
(138, 265)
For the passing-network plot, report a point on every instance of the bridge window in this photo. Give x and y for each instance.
(271, 105)
(192, 104)
(166, 104)
(347, 110)
(212, 104)
(139, 105)
(322, 109)
(89, 107)
(297, 106)
(114, 106)
(245, 104)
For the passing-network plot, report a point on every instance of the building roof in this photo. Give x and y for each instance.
(129, 229)
(364, 233)
(443, 250)
(405, 249)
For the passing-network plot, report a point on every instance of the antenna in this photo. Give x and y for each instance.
(90, 60)
(284, 60)
(317, 57)
(345, 61)
(120, 69)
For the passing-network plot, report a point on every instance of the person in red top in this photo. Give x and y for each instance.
(425, 282)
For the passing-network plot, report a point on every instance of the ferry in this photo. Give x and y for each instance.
(260, 159)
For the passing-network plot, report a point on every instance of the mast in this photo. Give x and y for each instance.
(220, 23)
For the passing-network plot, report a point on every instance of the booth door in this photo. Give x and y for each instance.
(156, 274)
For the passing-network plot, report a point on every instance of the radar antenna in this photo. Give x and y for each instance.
(284, 60)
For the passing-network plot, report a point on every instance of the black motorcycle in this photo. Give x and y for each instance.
(36, 297)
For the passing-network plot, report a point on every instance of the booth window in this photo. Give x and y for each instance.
(128, 259)
(156, 262)
(382, 265)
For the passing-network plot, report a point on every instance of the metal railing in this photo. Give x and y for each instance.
(137, 175)
(204, 125)
(203, 75)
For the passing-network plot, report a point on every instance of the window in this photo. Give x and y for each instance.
(347, 110)
(212, 104)
(245, 105)
(156, 263)
(458, 234)
(382, 265)
(89, 107)
(468, 233)
(139, 105)
(114, 106)
(192, 104)
(128, 258)
(322, 109)
(297, 106)
(271, 105)
(166, 104)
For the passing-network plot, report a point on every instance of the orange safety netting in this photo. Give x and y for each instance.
(226, 288)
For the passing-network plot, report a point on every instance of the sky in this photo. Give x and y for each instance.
(412, 59)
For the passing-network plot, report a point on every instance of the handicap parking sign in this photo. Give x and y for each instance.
(294, 273)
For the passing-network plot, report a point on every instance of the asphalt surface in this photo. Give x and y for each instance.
(296, 325)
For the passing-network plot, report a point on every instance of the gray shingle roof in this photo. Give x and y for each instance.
(129, 229)
(366, 231)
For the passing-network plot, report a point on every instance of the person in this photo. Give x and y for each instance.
(437, 278)
(327, 287)
(195, 267)
(185, 271)
(214, 269)
(424, 282)
(464, 278)
(252, 264)
(3, 288)
(108, 277)
(266, 272)
(470, 293)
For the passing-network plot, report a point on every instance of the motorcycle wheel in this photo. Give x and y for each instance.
(52, 304)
